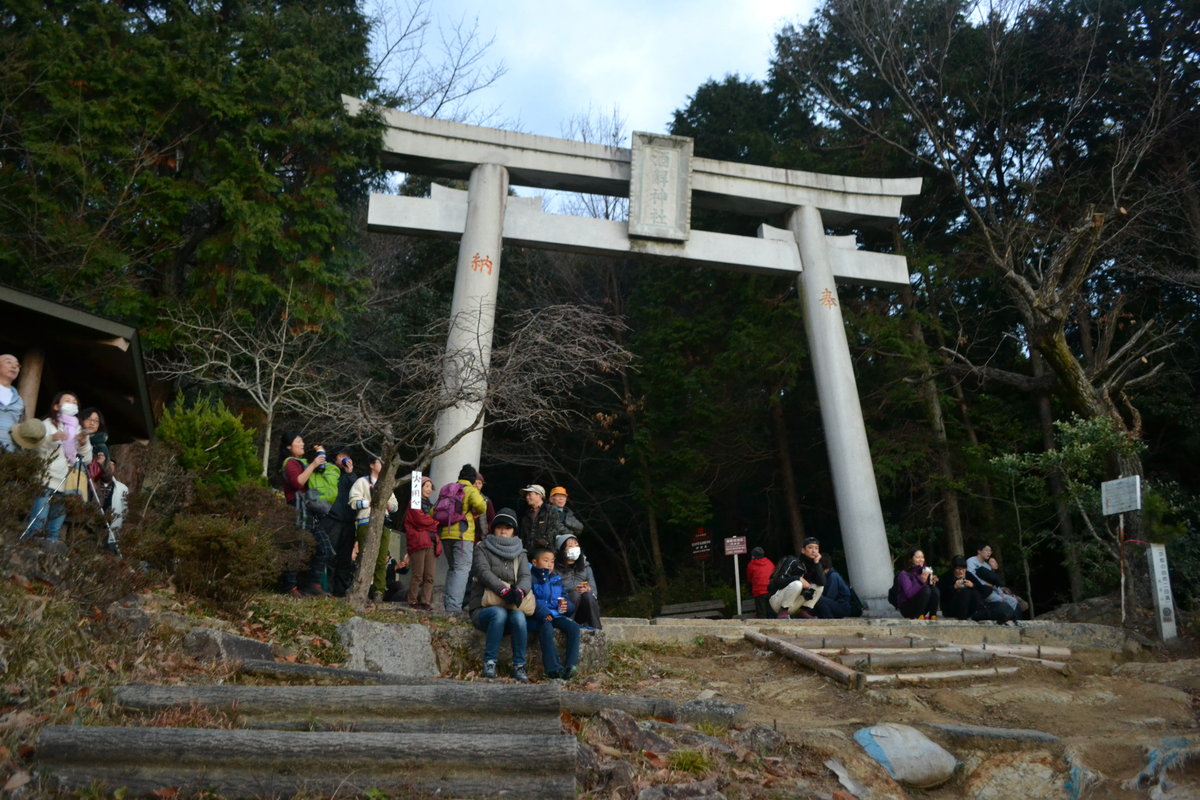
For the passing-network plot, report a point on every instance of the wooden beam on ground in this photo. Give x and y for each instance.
(931, 677)
(915, 658)
(1033, 650)
(245, 763)
(851, 679)
(840, 641)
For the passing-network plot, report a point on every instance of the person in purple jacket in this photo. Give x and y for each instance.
(916, 590)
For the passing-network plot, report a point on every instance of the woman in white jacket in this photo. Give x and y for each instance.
(66, 450)
(360, 502)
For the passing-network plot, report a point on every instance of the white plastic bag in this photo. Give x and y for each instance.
(908, 755)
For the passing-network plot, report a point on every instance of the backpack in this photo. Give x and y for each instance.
(448, 510)
(892, 596)
(857, 606)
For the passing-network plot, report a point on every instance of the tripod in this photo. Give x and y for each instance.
(46, 507)
(111, 542)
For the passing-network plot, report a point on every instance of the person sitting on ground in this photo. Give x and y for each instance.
(978, 565)
(758, 575)
(834, 602)
(500, 566)
(12, 407)
(959, 592)
(553, 613)
(535, 522)
(578, 581)
(915, 587)
(360, 503)
(66, 450)
(797, 583)
(562, 519)
(423, 545)
(459, 539)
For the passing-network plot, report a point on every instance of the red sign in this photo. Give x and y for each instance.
(735, 546)
(701, 545)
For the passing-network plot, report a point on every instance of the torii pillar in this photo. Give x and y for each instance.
(662, 180)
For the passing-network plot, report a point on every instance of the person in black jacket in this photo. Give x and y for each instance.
(339, 524)
(797, 582)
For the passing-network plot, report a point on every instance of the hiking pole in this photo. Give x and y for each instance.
(112, 535)
(46, 508)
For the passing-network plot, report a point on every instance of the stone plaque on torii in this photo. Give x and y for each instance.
(662, 180)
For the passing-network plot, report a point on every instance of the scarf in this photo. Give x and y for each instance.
(506, 547)
(70, 426)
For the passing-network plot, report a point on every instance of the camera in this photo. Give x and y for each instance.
(808, 593)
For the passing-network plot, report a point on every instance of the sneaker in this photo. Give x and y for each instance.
(296, 593)
(489, 669)
(519, 674)
(783, 614)
(314, 590)
(372, 595)
(569, 673)
(802, 614)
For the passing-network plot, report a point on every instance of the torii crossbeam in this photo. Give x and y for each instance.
(662, 180)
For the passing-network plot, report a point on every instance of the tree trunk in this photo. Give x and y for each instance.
(932, 401)
(268, 430)
(1062, 510)
(369, 551)
(784, 451)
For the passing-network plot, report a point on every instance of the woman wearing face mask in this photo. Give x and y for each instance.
(67, 450)
(578, 581)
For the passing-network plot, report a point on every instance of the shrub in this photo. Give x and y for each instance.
(220, 558)
(211, 442)
(20, 483)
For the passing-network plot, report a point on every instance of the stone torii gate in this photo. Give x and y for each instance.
(662, 180)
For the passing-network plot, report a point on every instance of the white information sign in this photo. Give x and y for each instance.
(1164, 604)
(414, 497)
(1121, 495)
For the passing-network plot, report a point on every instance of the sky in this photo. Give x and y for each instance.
(643, 58)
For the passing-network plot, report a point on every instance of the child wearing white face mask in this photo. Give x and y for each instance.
(65, 448)
(578, 581)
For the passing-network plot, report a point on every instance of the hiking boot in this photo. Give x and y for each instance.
(569, 673)
(519, 674)
(314, 590)
(489, 669)
(783, 614)
(802, 613)
(373, 595)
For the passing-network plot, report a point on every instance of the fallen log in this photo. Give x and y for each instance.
(915, 658)
(1058, 666)
(947, 675)
(851, 679)
(1035, 650)
(243, 763)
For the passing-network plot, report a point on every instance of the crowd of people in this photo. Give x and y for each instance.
(511, 575)
(806, 586)
(73, 444)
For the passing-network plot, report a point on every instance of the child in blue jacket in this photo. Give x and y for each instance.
(553, 612)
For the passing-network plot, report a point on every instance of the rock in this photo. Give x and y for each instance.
(619, 778)
(129, 619)
(694, 790)
(760, 739)
(685, 736)
(623, 728)
(909, 756)
(208, 643)
(1008, 775)
(388, 647)
(714, 711)
(173, 620)
(1182, 674)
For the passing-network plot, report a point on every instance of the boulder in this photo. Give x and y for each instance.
(1028, 774)
(215, 645)
(388, 647)
(909, 756)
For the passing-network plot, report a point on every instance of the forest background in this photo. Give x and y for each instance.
(188, 168)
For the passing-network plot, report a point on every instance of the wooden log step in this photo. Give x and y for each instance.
(446, 707)
(285, 669)
(241, 763)
(581, 703)
(914, 658)
(931, 677)
(849, 678)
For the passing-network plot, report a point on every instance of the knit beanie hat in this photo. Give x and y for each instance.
(467, 473)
